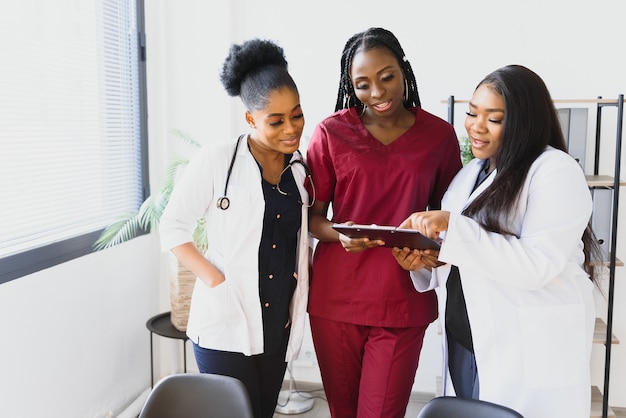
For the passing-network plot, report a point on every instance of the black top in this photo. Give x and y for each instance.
(457, 322)
(278, 257)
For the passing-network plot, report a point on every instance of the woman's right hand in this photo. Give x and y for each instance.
(189, 255)
(430, 223)
(356, 245)
(322, 229)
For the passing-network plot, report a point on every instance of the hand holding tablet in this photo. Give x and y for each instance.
(391, 235)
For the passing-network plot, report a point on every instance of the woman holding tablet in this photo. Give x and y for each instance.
(377, 159)
(515, 293)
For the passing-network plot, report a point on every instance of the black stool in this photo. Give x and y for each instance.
(161, 324)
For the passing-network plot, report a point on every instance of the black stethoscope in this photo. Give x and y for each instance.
(224, 202)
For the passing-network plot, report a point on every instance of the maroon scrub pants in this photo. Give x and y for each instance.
(366, 371)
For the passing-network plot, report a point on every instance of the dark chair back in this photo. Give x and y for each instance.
(197, 395)
(452, 407)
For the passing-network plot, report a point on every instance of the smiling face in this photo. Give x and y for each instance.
(378, 81)
(278, 127)
(485, 123)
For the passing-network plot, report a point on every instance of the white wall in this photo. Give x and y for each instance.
(74, 342)
(574, 46)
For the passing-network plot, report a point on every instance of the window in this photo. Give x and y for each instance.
(73, 151)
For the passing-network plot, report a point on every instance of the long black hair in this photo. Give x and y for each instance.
(531, 123)
(254, 69)
(364, 41)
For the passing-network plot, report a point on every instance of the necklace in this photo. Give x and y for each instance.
(272, 178)
(271, 164)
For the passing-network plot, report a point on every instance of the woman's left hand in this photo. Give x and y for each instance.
(407, 259)
(412, 260)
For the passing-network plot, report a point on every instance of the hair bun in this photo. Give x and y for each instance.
(246, 58)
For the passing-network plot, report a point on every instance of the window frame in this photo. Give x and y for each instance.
(31, 261)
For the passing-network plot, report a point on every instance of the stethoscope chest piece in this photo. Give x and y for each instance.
(223, 203)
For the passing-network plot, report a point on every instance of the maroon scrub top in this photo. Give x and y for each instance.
(368, 182)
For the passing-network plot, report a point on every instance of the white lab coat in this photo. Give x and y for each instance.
(228, 317)
(529, 301)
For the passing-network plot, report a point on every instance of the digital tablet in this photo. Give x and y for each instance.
(393, 236)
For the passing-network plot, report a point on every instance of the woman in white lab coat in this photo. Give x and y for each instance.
(513, 275)
(248, 307)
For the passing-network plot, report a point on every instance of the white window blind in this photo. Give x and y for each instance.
(70, 119)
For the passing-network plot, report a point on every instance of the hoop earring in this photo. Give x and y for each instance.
(347, 100)
(405, 96)
(363, 111)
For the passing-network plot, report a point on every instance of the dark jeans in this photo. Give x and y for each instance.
(463, 370)
(261, 374)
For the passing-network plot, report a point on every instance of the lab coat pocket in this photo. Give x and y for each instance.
(554, 346)
(221, 315)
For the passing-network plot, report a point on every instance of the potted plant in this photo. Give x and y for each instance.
(146, 219)
(466, 149)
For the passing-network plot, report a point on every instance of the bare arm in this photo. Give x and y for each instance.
(189, 255)
(319, 225)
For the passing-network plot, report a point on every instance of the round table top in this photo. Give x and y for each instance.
(162, 324)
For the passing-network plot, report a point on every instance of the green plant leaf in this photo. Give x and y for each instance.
(149, 214)
(199, 236)
(119, 232)
(466, 149)
(186, 138)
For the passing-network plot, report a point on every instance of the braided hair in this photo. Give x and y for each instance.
(364, 41)
(253, 70)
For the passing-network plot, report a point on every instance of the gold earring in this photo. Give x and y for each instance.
(348, 98)
(405, 96)
(363, 111)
